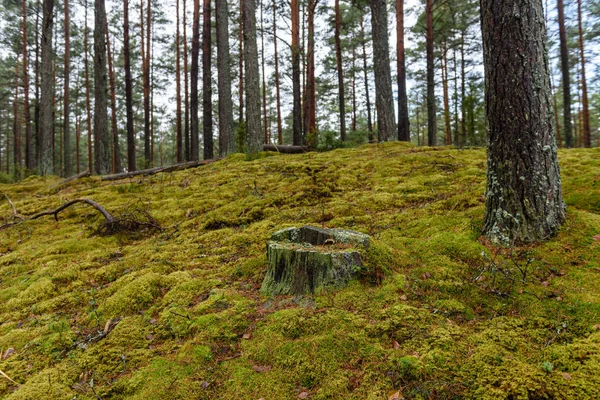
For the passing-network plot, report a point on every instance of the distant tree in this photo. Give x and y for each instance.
(524, 195)
(29, 146)
(194, 83)
(128, 90)
(226, 138)
(296, 89)
(566, 76)
(431, 116)
(403, 119)
(206, 82)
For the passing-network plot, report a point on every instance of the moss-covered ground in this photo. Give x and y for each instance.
(177, 314)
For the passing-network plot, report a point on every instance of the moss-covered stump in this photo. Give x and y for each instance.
(310, 260)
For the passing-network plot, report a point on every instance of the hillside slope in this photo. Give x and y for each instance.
(176, 314)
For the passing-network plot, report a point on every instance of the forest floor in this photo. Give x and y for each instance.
(177, 313)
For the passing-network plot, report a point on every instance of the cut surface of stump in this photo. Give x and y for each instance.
(311, 260)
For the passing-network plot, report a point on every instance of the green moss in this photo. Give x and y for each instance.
(195, 326)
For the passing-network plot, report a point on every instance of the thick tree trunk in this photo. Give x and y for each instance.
(297, 105)
(116, 157)
(384, 98)
(431, 123)
(206, 82)
(277, 89)
(366, 79)
(587, 137)
(128, 90)
(403, 118)
(36, 112)
(66, 145)
(178, 137)
(523, 196)
(566, 77)
(186, 114)
(146, 68)
(312, 139)
(101, 142)
(29, 154)
(226, 136)
(253, 121)
(241, 67)
(340, 69)
(46, 157)
(194, 156)
(87, 93)
(267, 139)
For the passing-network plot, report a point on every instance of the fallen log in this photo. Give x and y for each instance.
(83, 174)
(156, 170)
(286, 149)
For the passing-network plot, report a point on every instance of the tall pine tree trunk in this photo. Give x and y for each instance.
(446, 99)
(36, 111)
(226, 137)
(17, 166)
(403, 118)
(278, 94)
(523, 196)
(146, 67)
(116, 157)
(253, 122)
(186, 114)
(566, 76)
(264, 79)
(178, 137)
(312, 139)
(241, 117)
(206, 83)
(88, 94)
(340, 69)
(29, 154)
(194, 90)
(384, 98)
(66, 145)
(431, 123)
(366, 79)
(297, 105)
(128, 90)
(46, 157)
(101, 142)
(587, 138)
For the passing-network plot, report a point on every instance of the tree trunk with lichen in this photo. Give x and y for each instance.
(524, 195)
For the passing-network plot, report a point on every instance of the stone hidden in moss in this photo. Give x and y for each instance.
(311, 260)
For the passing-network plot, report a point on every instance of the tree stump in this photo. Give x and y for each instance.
(310, 260)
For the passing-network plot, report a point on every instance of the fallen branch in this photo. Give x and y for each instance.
(156, 170)
(15, 214)
(109, 218)
(83, 174)
(286, 149)
(8, 377)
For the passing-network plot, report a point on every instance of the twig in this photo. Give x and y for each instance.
(180, 315)
(109, 218)
(83, 174)
(8, 377)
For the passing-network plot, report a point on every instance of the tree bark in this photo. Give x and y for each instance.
(206, 82)
(178, 137)
(297, 105)
(524, 195)
(241, 66)
(366, 79)
(431, 123)
(101, 142)
(264, 83)
(16, 126)
(226, 136)
(384, 98)
(116, 157)
(566, 77)
(29, 154)
(194, 156)
(312, 139)
(146, 68)
(446, 99)
(36, 112)
(277, 89)
(253, 120)
(463, 116)
(46, 157)
(587, 138)
(87, 93)
(186, 115)
(128, 89)
(66, 145)
(340, 69)
(403, 118)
